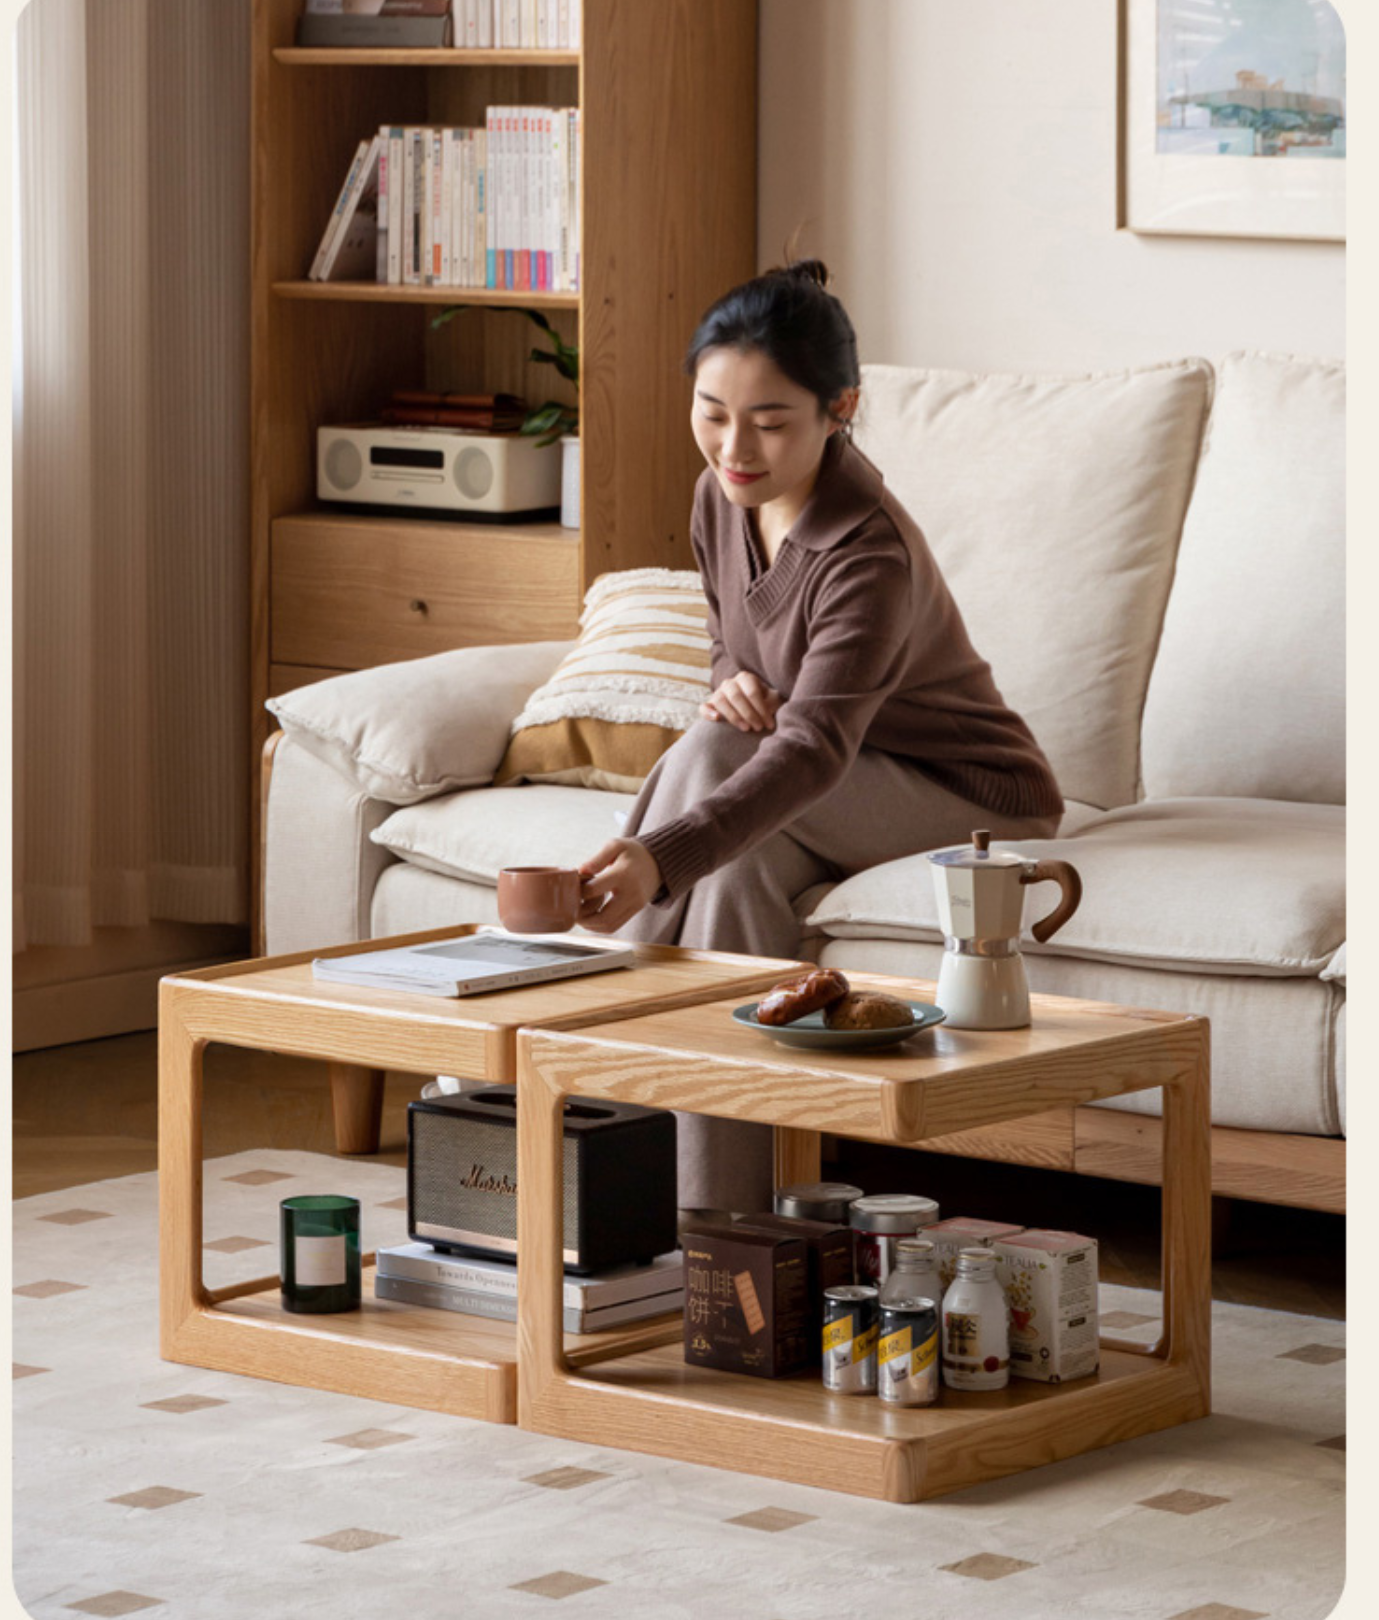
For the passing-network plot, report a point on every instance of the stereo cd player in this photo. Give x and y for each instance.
(500, 476)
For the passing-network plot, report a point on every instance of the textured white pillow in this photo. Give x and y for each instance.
(1054, 506)
(1248, 692)
(407, 732)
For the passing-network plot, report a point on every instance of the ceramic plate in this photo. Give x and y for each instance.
(810, 1030)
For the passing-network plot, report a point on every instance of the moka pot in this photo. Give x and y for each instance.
(981, 898)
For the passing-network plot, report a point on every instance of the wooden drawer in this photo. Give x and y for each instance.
(350, 592)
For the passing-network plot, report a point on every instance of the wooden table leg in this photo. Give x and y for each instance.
(357, 1097)
(1187, 1218)
(181, 1291)
(798, 1156)
(540, 1234)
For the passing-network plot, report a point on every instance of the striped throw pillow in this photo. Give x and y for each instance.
(629, 687)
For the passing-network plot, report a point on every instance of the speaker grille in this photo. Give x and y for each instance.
(344, 464)
(473, 473)
(465, 1181)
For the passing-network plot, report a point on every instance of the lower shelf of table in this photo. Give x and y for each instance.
(795, 1429)
(409, 1355)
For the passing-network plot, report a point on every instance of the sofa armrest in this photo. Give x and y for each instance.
(319, 864)
(407, 732)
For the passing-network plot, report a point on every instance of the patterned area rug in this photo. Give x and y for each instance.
(140, 1485)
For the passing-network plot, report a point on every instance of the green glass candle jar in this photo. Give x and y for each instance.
(320, 1253)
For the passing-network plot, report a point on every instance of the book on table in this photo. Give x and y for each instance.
(416, 1274)
(474, 964)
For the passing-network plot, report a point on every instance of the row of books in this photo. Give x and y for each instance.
(464, 24)
(416, 1274)
(494, 207)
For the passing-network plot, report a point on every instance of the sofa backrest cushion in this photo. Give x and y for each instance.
(1248, 691)
(1054, 507)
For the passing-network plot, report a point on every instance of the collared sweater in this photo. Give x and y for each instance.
(854, 626)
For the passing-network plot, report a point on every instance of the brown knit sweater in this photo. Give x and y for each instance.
(854, 626)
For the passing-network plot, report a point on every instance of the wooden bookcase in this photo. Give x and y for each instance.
(668, 94)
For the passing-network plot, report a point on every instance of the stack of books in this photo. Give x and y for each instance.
(416, 1274)
(543, 25)
(479, 413)
(495, 207)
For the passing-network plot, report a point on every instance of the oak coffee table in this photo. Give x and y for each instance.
(940, 1083)
(388, 1351)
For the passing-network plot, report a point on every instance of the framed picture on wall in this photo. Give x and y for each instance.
(1232, 118)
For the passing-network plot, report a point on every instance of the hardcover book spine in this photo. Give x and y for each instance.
(482, 205)
(381, 261)
(409, 206)
(493, 149)
(407, 1292)
(395, 211)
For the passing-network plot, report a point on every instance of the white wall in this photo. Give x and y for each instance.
(954, 162)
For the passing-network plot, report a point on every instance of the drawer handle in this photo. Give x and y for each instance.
(418, 606)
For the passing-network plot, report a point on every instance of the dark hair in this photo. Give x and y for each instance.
(790, 315)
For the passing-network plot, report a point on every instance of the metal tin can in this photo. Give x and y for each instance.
(850, 1323)
(907, 1362)
(879, 1222)
(817, 1201)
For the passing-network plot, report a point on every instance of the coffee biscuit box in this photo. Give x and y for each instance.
(1050, 1281)
(830, 1261)
(746, 1301)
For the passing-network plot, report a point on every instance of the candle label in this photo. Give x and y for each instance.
(320, 1261)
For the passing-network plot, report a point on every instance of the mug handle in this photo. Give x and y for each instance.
(1066, 876)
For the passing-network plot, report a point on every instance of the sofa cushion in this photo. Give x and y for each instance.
(1248, 691)
(1053, 506)
(625, 691)
(1189, 885)
(405, 732)
(474, 835)
(1273, 1064)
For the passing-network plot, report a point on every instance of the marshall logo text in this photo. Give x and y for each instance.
(481, 1181)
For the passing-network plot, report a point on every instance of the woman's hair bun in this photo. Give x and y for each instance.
(813, 270)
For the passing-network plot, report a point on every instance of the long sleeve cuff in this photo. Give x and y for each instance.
(677, 851)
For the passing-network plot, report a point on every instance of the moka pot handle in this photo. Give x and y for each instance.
(1066, 876)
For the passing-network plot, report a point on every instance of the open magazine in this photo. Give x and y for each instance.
(472, 965)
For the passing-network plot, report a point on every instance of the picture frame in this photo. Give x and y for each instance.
(1231, 118)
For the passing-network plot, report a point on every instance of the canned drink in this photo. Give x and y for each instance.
(850, 1322)
(879, 1222)
(817, 1201)
(907, 1363)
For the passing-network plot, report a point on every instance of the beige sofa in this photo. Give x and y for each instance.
(1153, 561)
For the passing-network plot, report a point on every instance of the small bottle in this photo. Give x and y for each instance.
(915, 1273)
(976, 1325)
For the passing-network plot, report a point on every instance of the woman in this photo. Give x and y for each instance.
(851, 721)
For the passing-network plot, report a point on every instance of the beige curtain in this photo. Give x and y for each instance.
(131, 499)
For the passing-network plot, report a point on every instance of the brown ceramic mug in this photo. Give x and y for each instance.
(538, 899)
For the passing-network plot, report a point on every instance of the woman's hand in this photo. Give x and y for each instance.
(744, 701)
(618, 882)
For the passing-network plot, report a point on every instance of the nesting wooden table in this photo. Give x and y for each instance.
(940, 1083)
(387, 1351)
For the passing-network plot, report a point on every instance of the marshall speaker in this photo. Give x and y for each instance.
(619, 1178)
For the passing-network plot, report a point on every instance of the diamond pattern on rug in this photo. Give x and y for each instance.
(1335, 1443)
(46, 1290)
(21, 1371)
(773, 1519)
(112, 1603)
(394, 1203)
(350, 1540)
(184, 1403)
(1218, 1611)
(236, 1245)
(76, 1217)
(370, 1439)
(259, 1178)
(156, 1496)
(1126, 1319)
(1319, 1355)
(988, 1566)
(565, 1479)
(1183, 1501)
(560, 1583)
